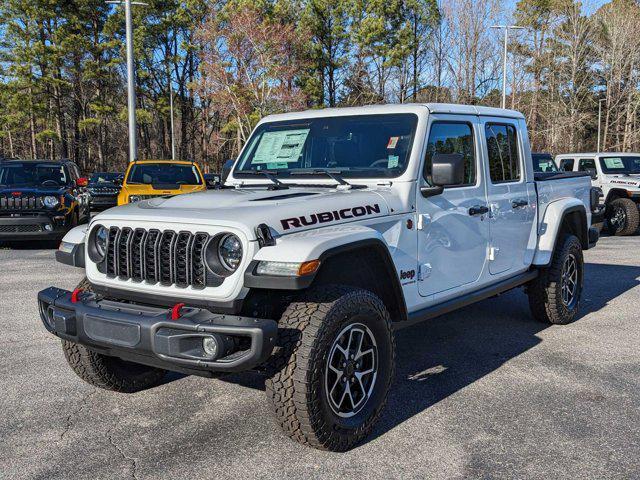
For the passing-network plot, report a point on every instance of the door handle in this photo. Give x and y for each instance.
(520, 202)
(478, 210)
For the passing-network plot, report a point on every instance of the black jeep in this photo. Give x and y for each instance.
(40, 199)
(104, 188)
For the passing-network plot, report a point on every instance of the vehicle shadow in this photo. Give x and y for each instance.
(442, 356)
(31, 245)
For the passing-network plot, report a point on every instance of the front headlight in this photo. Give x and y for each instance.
(51, 201)
(98, 244)
(134, 198)
(230, 252)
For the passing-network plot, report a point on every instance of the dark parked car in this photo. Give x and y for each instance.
(104, 189)
(212, 180)
(41, 199)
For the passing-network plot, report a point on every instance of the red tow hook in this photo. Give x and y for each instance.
(175, 311)
(74, 295)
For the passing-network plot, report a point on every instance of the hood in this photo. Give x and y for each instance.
(625, 180)
(285, 211)
(147, 189)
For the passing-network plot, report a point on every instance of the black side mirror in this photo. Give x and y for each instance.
(592, 171)
(447, 169)
(226, 170)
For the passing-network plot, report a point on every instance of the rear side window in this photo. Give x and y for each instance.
(451, 137)
(586, 164)
(504, 159)
(566, 164)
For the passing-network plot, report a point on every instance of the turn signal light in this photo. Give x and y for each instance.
(307, 268)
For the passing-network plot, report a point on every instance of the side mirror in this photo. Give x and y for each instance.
(593, 172)
(82, 182)
(212, 181)
(447, 169)
(226, 170)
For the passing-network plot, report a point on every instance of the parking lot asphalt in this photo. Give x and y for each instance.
(485, 392)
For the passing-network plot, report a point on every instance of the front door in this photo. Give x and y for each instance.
(512, 200)
(453, 231)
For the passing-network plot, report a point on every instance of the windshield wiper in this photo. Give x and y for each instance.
(331, 173)
(270, 174)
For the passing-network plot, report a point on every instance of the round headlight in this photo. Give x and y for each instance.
(134, 198)
(230, 252)
(50, 201)
(98, 244)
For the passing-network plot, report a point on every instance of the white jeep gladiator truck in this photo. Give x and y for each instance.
(333, 229)
(618, 176)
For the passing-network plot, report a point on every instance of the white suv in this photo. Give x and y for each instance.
(618, 175)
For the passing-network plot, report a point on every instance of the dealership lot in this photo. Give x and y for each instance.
(484, 392)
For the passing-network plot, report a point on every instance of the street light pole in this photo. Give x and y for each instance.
(599, 120)
(173, 139)
(504, 60)
(131, 77)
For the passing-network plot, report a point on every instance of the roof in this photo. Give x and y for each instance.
(593, 154)
(150, 160)
(30, 160)
(398, 108)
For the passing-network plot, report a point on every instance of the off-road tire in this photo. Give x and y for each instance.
(631, 215)
(107, 372)
(296, 373)
(110, 373)
(545, 292)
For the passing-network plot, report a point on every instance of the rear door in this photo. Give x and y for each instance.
(512, 201)
(453, 232)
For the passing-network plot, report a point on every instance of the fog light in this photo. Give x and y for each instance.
(210, 346)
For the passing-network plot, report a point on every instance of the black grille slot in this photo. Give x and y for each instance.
(198, 268)
(112, 268)
(167, 257)
(137, 254)
(183, 259)
(167, 267)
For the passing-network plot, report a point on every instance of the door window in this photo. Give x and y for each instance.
(504, 159)
(566, 164)
(447, 138)
(586, 165)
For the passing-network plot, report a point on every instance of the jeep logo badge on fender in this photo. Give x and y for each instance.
(324, 217)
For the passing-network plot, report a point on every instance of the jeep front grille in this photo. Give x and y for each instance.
(28, 202)
(154, 256)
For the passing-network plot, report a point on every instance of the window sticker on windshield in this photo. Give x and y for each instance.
(393, 142)
(393, 161)
(276, 165)
(614, 162)
(279, 147)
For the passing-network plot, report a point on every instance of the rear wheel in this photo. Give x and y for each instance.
(623, 217)
(331, 373)
(554, 297)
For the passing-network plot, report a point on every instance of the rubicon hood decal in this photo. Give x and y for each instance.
(332, 216)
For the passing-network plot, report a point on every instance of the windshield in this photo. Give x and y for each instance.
(544, 163)
(363, 146)
(33, 175)
(164, 174)
(104, 177)
(620, 165)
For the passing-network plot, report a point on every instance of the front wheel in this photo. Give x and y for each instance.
(554, 297)
(333, 367)
(623, 217)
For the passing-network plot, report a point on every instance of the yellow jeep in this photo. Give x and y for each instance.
(157, 178)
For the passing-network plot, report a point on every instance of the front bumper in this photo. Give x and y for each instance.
(147, 335)
(103, 201)
(32, 227)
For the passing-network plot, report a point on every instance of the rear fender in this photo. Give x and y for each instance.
(551, 225)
